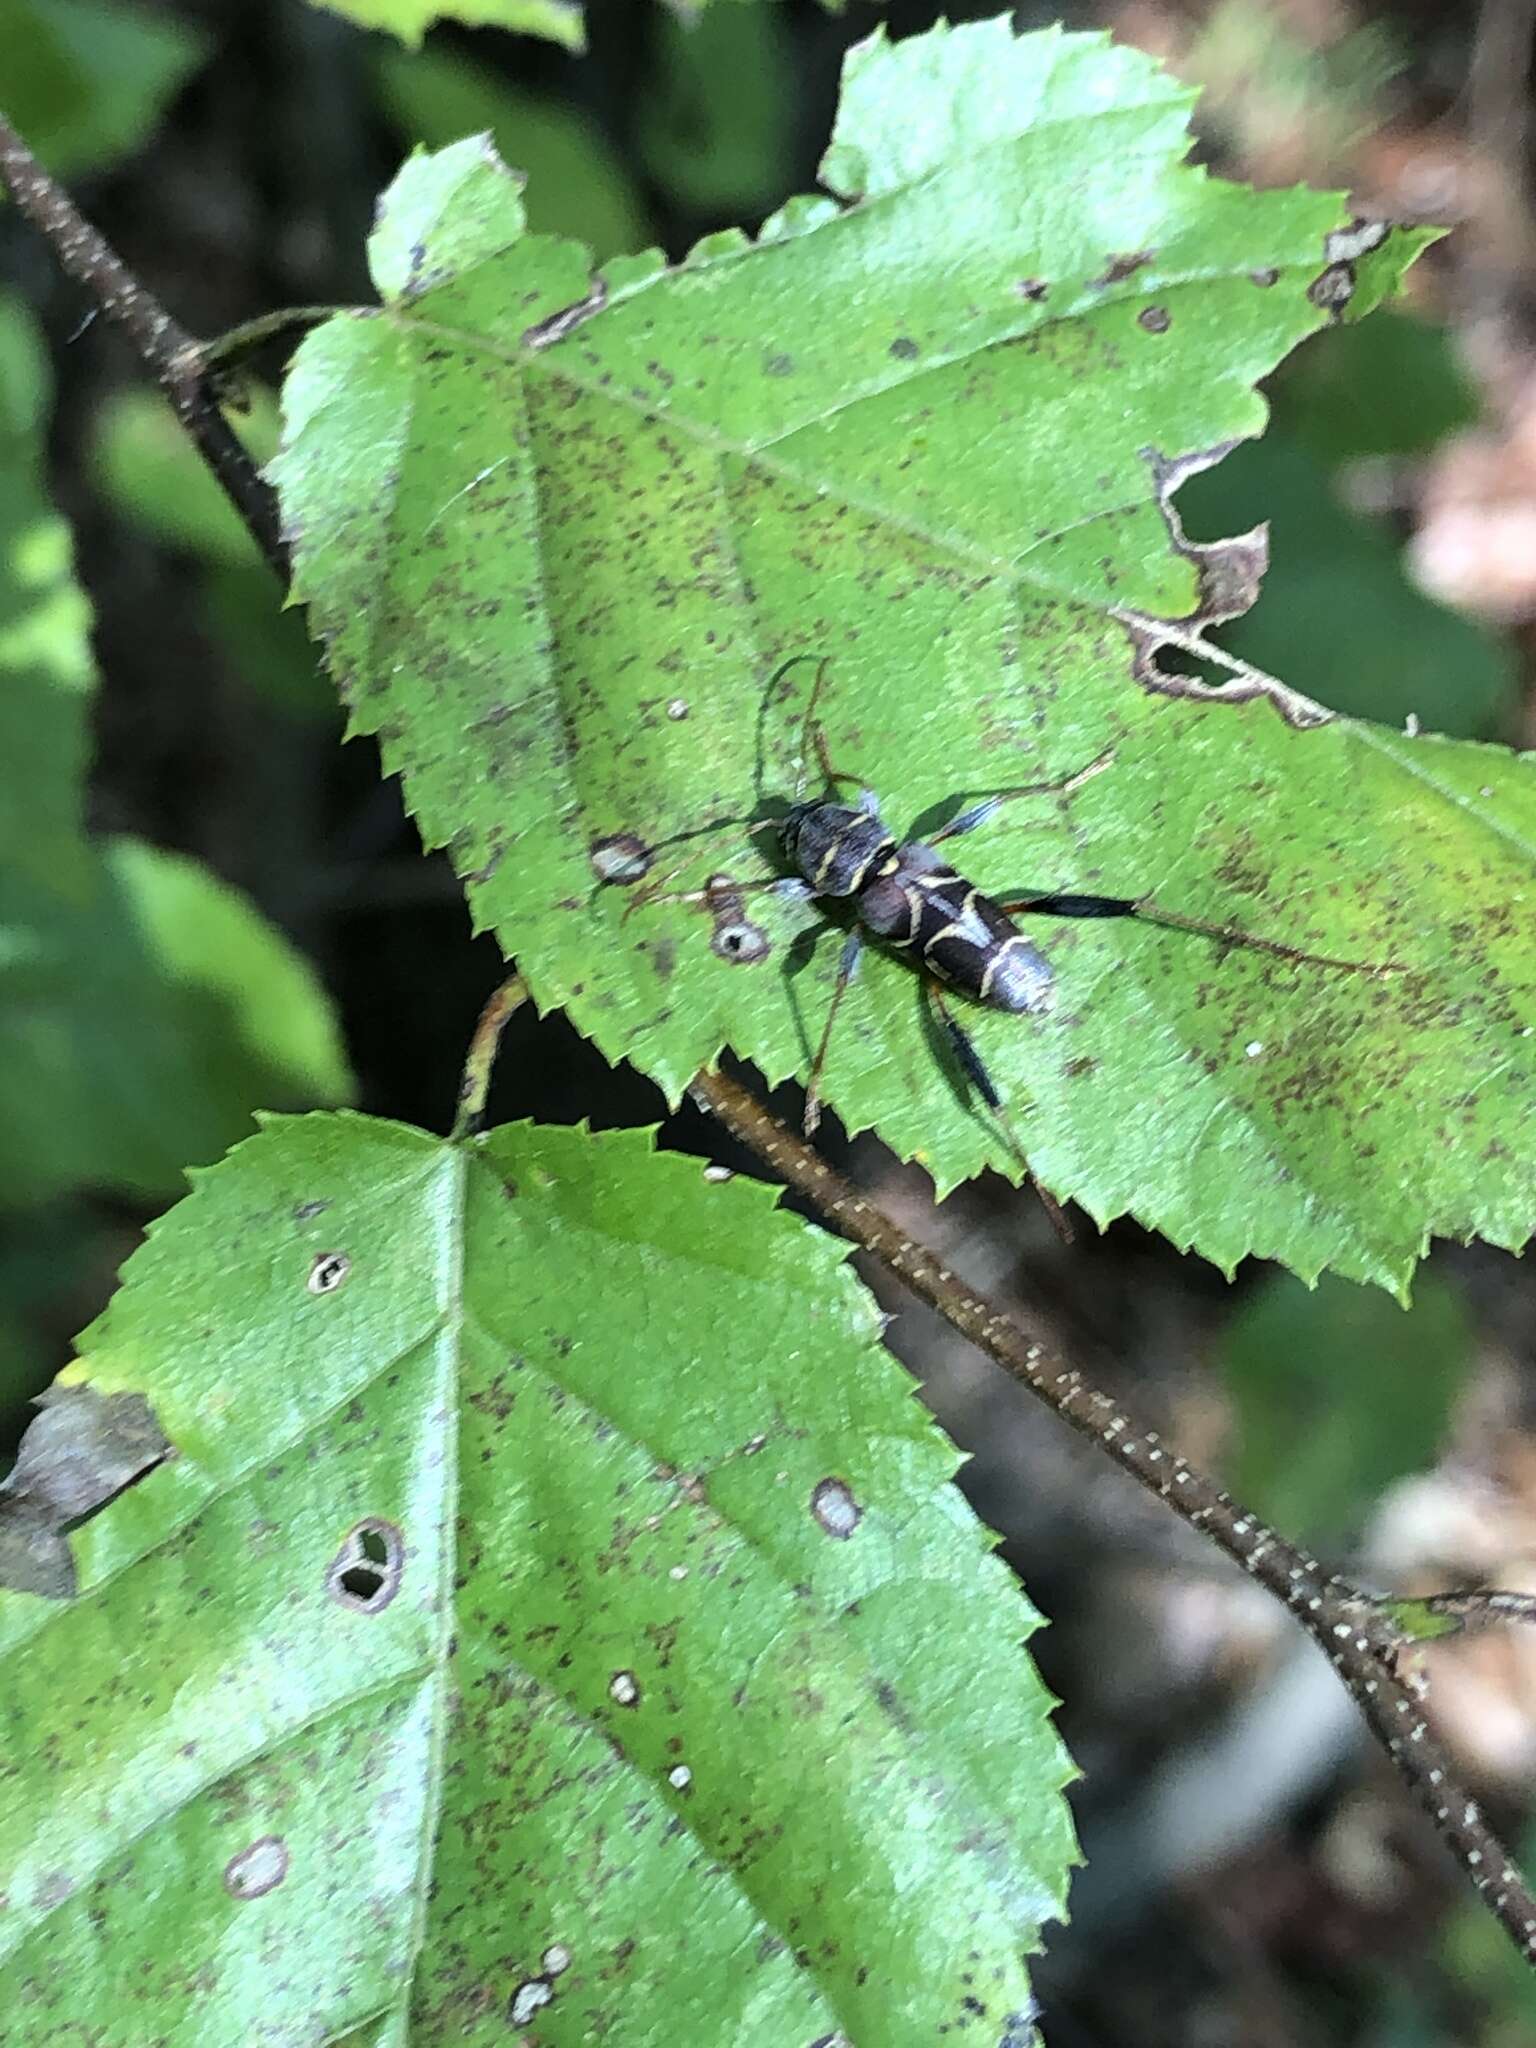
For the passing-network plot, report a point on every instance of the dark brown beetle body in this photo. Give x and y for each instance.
(913, 901)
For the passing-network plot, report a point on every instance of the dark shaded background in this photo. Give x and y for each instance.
(1255, 1875)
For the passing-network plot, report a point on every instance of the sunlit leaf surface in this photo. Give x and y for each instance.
(500, 1656)
(558, 532)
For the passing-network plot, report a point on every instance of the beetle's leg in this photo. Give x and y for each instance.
(656, 892)
(974, 1069)
(978, 813)
(1148, 912)
(791, 887)
(868, 801)
(847, 968)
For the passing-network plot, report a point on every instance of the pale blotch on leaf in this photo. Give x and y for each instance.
(530, 1998)
(328, 1272)
(556, 1957)
(1349, 244)
(258, 1869)
(678, 708)
(623, 1689)
(620, 858)
(834, 1507)
(680, 1778)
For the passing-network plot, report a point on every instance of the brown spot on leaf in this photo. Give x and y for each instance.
(1264, 278)
(740, 941)
(1034, 289)
(1155, 319)
(1119, 268)
(556, 326)
(1333, 288)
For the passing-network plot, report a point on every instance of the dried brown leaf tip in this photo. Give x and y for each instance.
(1229, 574)
(80, 1451)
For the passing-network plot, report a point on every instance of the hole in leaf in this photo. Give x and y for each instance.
(366, 1571)
(740, 941)
(328, 1272)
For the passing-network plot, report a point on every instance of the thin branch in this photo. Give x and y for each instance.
(1356, 1633)
(164, 346)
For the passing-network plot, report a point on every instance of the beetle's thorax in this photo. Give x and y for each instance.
(838, 848)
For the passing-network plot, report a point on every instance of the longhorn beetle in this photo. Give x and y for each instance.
(904, 894)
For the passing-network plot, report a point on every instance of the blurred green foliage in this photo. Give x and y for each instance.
(715, 125)
(153, 479)
(86, 81)
(1337, 1393)
(145, 1008)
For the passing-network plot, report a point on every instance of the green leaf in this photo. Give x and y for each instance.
(85, 81)
(576, 184)
(1338, 1392)
(208, 939)
(560, 21)
(558, 533)
(504, 1650)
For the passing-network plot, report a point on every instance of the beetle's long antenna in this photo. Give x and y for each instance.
(810, 728)
(766, 705)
